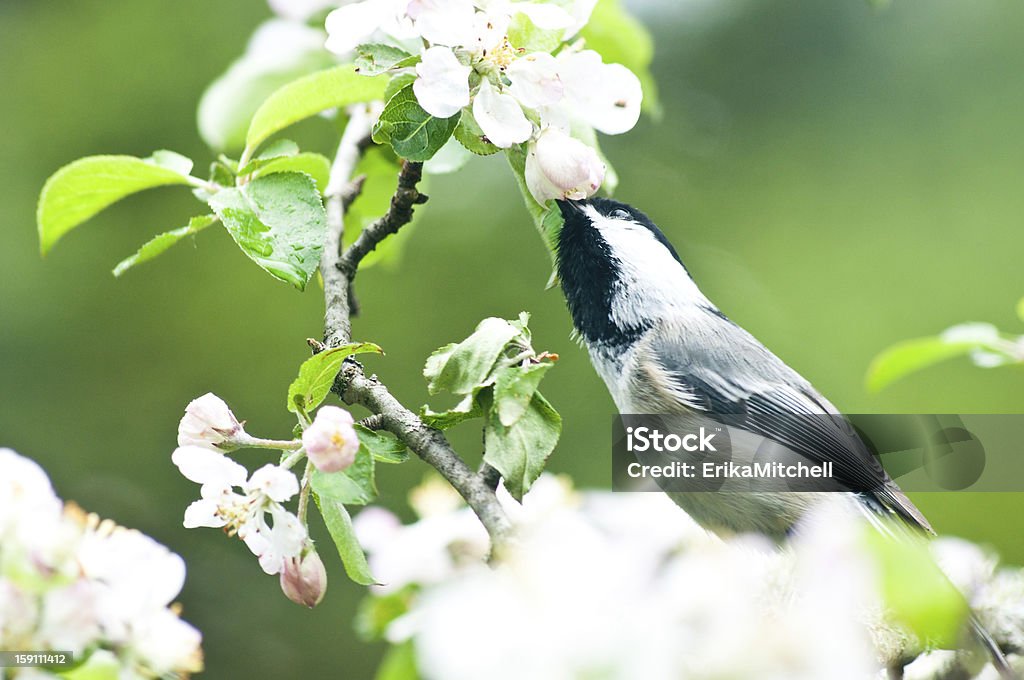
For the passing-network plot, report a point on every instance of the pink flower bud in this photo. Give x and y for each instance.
(331, 442)
(209, 423)
(304, 579)
(560, 166)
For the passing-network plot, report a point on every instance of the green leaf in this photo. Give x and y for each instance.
(467, 409)
(916, 593)
(101, 664)
(339, 525)
(399, 663)
(413, 133)
(308, 96)
(317, 166)
(463, 367)
(520, 452)
(374, 59)
(317, 374)
(172, 161)
(514, 389)
(471, 136)
(398, 82)
(621, 39)
(383, 447)
(380, 167)
(83, 188)
(376, 612)
(352, 486)
(910, 356)
(1020, 309)
(278, 221)
(158, 244)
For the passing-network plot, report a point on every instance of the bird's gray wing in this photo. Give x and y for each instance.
(741, 379)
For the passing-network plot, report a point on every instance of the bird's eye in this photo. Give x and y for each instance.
(620, 214)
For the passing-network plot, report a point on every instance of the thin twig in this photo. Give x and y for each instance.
(398, 215)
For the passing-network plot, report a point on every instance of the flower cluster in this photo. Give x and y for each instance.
(510, 66)
(252, 506)
(71, 582)
(626, 586)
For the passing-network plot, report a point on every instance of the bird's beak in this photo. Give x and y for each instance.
(569, 207)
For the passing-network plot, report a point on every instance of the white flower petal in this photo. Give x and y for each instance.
(561, 167)
(444, 22)
(606, 96)
(331, 442)
(442, 88)
(274, 482)
(204, 466)
(535, 80)
(500, 117)
(351, 25)
(299, 10)
(202, 513)
(546, 17)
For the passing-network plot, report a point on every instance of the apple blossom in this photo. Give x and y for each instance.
(561, 167)
(73, 582)
(442, 87)
(500, 117)
(304, 579)
(246, 513)
(331, 442)
(209, 423)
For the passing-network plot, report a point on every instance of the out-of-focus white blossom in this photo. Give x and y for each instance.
(299, 10)
(304, 579)
(562, 167)
(358, 22)
(331, 442)
(69, 581)
(245, 514)
(208, 422)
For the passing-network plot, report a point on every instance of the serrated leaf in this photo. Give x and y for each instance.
(278, 221)
(317, 374)
(467, 409)
(383, 447)
(916, 593)
(514, 388)
(83, 188)
(470, 135)
(911, 356)
(521, 451)
(374, 59)
(620, 38)
(339, 525)
(413, 133)
(308, 96)
(352, 486)
(315, 165)
(464, 367)
(398, 82)
(160, 243)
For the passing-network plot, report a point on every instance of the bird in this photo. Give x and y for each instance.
(662, 347)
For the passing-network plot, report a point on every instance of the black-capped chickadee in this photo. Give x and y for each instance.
(663, 348)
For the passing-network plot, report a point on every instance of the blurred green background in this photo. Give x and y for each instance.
(837, 178)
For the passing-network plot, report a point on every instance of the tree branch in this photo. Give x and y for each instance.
(398, 215)
(338, 269)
